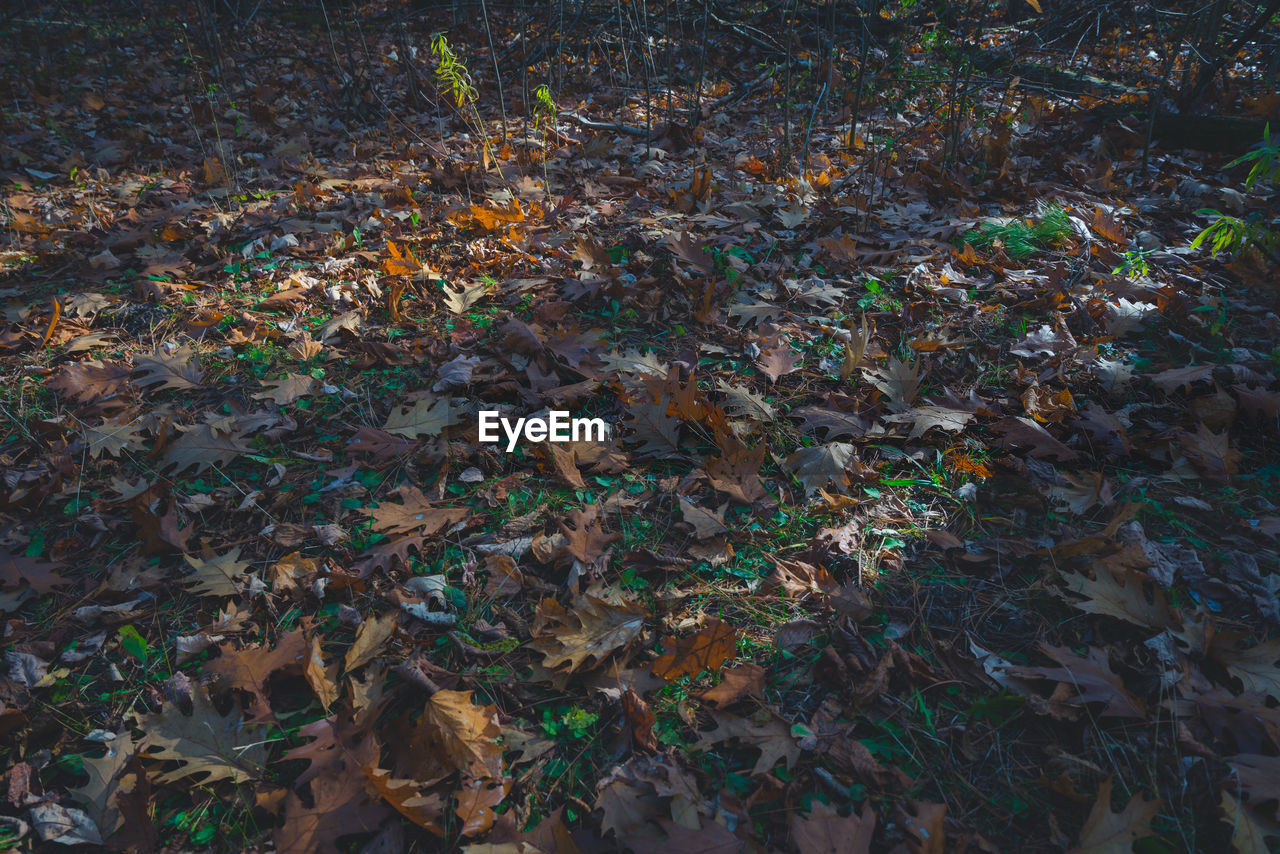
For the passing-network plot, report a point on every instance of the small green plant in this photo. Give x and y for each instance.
(452, 75)
(1265, 159)
(1022, 238)
(544, 117)
(1224, 234)
(1232, 234)
(569, 723)
(454, 80)
(1135, 264)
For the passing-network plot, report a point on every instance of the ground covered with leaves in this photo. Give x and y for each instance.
(935, 513)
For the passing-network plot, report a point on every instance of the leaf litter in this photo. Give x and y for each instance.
(920, 520)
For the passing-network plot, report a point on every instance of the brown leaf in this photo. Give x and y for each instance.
(287, 390)
(1106, 225)
(340, 806)
(925, 418)
(821, 465)
(736, 472)
(1025, 433)
(426, 811)
(113, 437)
(769, 734)
(202, 446)
(706, 523)
(598, 625)
(657, 433)
(476, 800)
(823, 831)
(38, 574)
(1211, 454)
(468, 733)
(379, 444)
(585, 537)
(1047, 406)
(777, 361)
(428, 416)
(708, 649)
(320, 680)
(370, 637)
(159, 532)
(174, 370)
(640, 719)
(89, 381)
(688, 251)
(1106, 832)
(1255, 667)
(251, 669)
(416, 514)
(900, 382)
(219, 747)
(745, 680)
(99, 794)
(1120, 594)
(1090, 676)
(216, 575)
(565, 464)
(635, 796)
(923, 823)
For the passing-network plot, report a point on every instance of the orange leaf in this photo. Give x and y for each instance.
(706, 650)
(476, 801)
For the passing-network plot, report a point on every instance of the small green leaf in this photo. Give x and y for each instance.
(133, 643)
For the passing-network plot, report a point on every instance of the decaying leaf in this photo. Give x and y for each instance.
(468, 733)
(595, 626)
(204, 743)
(707, 649)
(1107, 832)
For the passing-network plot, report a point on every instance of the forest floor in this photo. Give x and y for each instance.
(916, 530)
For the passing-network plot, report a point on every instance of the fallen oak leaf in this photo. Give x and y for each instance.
(318, 677)
(1107, 832)
(428, 416)
(90, 381)
(404, 796)
(216, 575)
(476, 800)
(1092, 677)
(1019, 432)
(823, 831)
(468, 733)
(373, 633)
(770, 735)
(220, 747)
(745, 680)
(202, 446)
(416, 514)
(925, 418)
(252, 668)
(706, 523)
(822, 464)
(598, 625)
(1120, 595)
(777, 361)
(176, 370)
(710, 647)
(640, 720)
(1211, 454)
(290, 388)
(460, 302)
